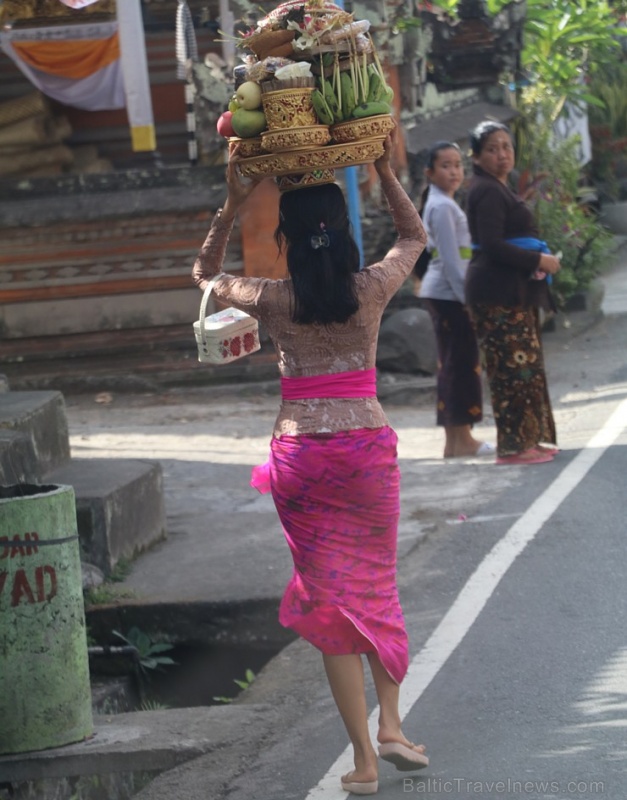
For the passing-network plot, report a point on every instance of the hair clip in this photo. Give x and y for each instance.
(319, 241)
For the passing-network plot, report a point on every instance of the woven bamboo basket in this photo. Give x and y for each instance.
(267, 43)
(289, 108)
(298, 162)
(23, 107)
(288, 183)
(35, 130)
(252, 146)
(306, 137)
(291, 83)
(35, 159)
(352, 130)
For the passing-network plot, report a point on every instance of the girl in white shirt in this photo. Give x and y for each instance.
(459, 397)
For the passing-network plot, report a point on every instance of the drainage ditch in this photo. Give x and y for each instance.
(217, 651)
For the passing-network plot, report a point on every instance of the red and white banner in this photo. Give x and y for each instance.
(94, 66)
(78, 65)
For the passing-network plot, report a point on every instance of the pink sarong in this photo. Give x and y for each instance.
(337, 496)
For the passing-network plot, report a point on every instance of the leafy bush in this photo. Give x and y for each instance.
(608, 130)
(148, 652)
(551, 178)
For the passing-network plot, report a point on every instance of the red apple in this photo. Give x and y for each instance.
(224, 126)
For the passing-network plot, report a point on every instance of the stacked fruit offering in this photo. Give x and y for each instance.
(348, 103)
(244, 117)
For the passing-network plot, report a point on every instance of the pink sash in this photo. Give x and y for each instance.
(357, 383)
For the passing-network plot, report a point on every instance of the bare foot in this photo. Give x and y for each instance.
(472, 448)
(386, 736)
(366, 768)
(359, 776)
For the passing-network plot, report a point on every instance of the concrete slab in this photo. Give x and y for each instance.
(18, 462)
(145, 741)
(40, 415)
(119, 507)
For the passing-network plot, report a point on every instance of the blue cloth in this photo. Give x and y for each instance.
(530, 243)
(527, 243)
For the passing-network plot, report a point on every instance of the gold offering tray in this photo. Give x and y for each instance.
(297, 162)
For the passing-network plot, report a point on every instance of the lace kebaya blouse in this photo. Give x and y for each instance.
(315, 349)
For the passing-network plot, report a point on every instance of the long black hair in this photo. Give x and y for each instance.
(422, 264)
(322, 256)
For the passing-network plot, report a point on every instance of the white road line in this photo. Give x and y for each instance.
(475, 594)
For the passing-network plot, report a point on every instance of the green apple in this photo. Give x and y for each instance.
(248, 95)
(233, 104)
(247, 124)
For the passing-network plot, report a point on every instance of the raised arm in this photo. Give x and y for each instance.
(406, 218)
(210, 258)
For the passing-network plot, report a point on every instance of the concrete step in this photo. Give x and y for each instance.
(40, 417)
(143, 742)
(18, 462)
(119, 507)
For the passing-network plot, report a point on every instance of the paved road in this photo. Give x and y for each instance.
(526, 679)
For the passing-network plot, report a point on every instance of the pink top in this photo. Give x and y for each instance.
(315, 350)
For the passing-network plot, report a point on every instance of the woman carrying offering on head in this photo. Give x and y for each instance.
(333, 469)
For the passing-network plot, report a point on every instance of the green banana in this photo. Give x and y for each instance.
(388, 95)
(376, 88)
(348, 95)
(365, 80)
(332, 101)
(371, 109)
(321, 107)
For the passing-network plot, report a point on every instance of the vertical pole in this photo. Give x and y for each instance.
(352, 192)
(187, 50)
(136, 79)
(227, 22)
(190, 119)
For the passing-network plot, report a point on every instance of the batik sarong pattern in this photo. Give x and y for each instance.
(514, 363)
(337, 496)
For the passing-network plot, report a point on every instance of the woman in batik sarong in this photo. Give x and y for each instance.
(333, 469)
(506, 285)
(459, 404)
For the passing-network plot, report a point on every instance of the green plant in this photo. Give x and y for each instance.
(105, 594)
(152, 705)
(108, 593)
(608, 129)
(550, 176)
(565, 40)
(121, 571)
(249, 677)
(148, 651)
